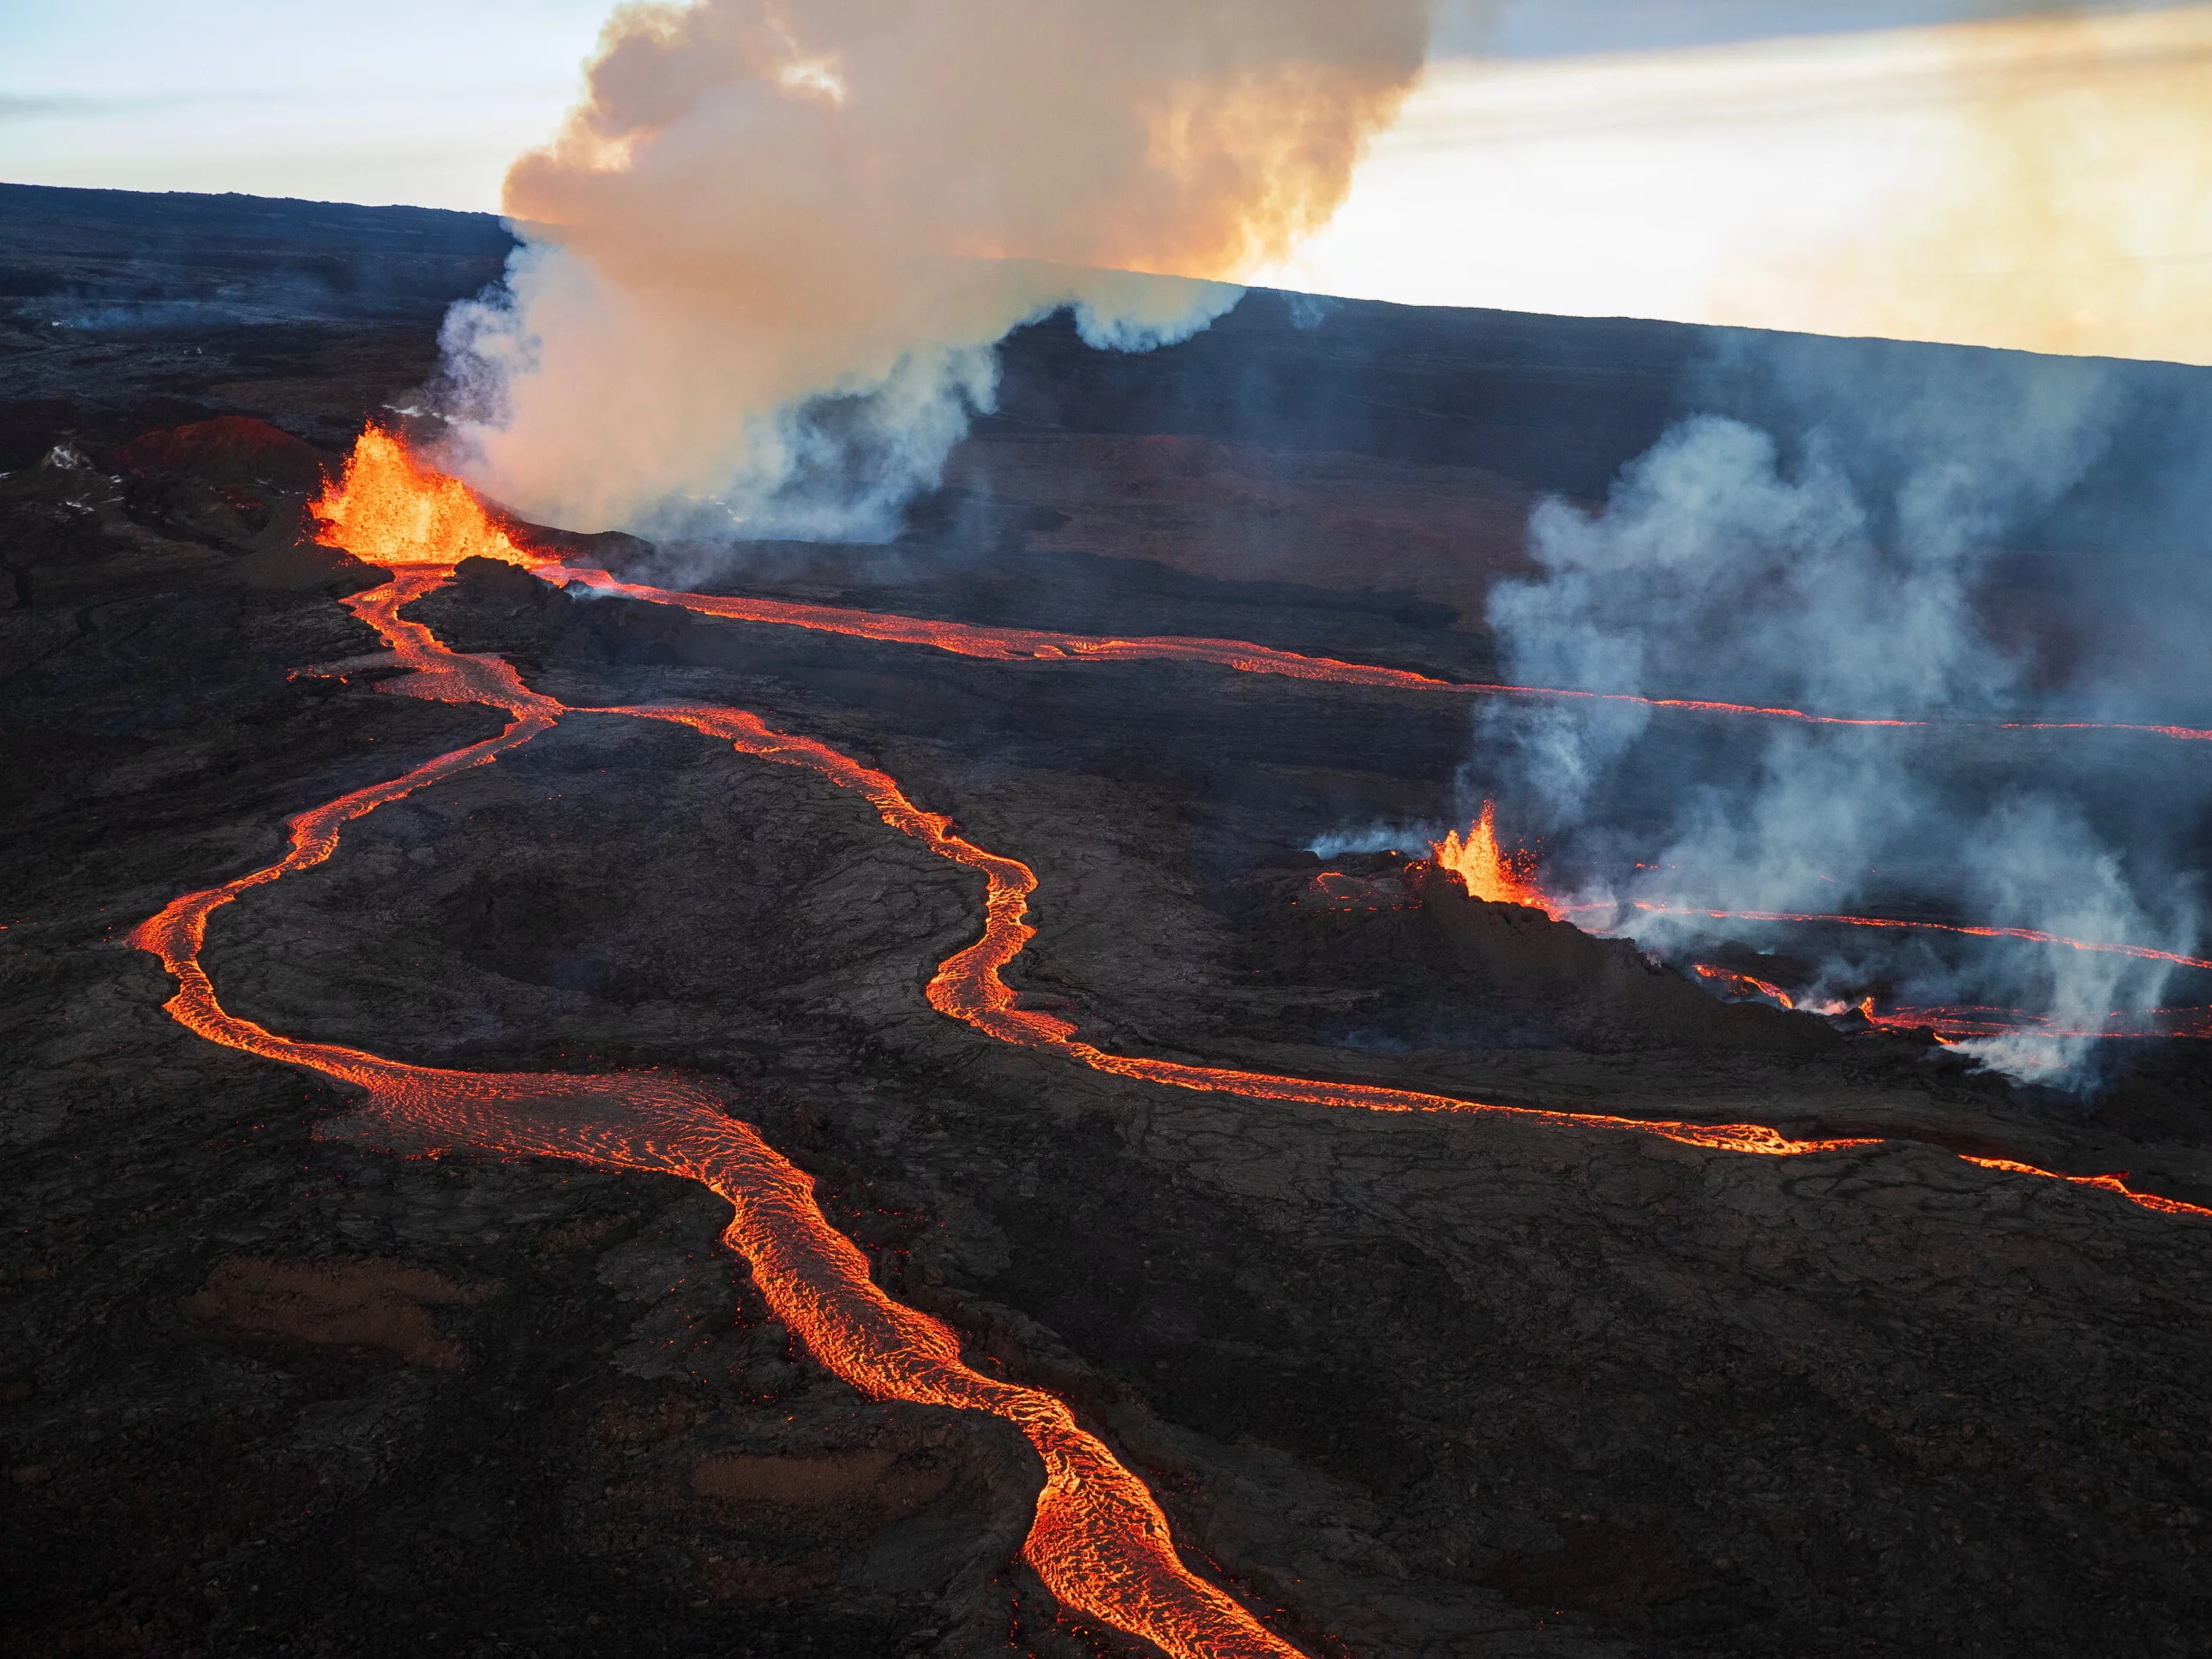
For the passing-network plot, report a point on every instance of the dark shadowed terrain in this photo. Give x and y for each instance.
(1444, 1387)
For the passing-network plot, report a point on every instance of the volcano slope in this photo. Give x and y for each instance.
(1404, 1383)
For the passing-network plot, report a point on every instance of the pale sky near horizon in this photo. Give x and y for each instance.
(2039, 183)
(1702, 159)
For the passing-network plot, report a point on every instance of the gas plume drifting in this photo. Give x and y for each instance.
(769, 255)
(1839, 562)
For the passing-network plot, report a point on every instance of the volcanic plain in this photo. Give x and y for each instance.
(1405, 1384)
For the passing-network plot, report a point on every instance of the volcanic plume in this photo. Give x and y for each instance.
(1841, 561)
(1097, 1538)
(768, 254)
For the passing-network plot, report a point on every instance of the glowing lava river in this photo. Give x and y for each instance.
(1099, 1542)
(995, 644)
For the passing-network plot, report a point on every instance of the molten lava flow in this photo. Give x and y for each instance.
(1745, 987)
(388, 509)
(2182, 733)
(1953, 1024)
(2032, 936)
(1038, 644)
(968, 985)
(1487, 873)
(1099, 1540)
(1030, 644)
(2111, 1183)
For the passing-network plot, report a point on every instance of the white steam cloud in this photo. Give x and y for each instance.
(1836, 572)
(767, 256)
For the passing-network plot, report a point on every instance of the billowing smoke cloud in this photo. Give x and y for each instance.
(1835, 564)
(768, 255)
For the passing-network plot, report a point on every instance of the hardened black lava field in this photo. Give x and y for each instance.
(278, 1377)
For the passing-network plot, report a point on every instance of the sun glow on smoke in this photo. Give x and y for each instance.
(767, 256)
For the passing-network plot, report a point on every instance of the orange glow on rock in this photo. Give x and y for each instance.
(388, 508)
(1744, 986)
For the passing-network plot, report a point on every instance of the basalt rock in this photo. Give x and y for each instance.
(1418, 1385)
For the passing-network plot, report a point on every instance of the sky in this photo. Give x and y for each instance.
(1545, 29)
(2038, 182)
(420, 101)
(1929, 168)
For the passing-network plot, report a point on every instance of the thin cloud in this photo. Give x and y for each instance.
(1553, 28)
(43, 106)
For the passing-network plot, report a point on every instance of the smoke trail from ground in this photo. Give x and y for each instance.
(768, 255)
(1835, 563)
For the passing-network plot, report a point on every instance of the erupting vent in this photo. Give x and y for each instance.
(389, 509)
(1488, 873)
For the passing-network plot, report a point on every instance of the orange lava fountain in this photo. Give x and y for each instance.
(1487, 873)
(1099, 1542)
(389, 509)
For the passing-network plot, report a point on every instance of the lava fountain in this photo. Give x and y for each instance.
(388, 508)
(1488, 872)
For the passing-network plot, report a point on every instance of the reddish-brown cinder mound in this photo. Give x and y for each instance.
(231, 449)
